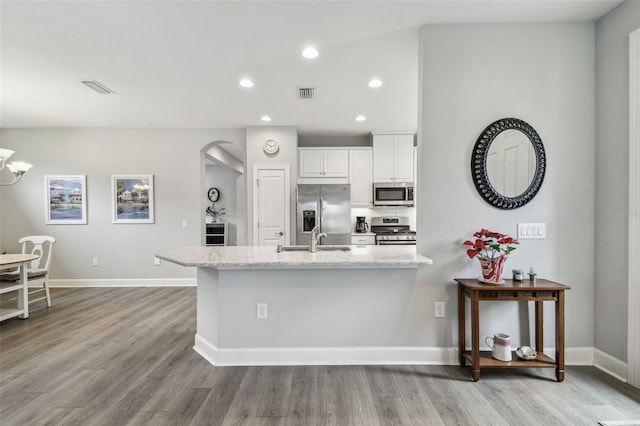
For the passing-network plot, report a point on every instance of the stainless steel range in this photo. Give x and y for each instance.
(392, 231)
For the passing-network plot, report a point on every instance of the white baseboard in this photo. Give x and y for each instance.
(610, 365)
(577, 355)
(126, 282)
(366, 355)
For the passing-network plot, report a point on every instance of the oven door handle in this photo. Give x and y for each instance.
(396, 242)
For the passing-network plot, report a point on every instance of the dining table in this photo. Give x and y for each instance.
(10, 262)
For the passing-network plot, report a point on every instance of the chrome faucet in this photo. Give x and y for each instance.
(315, 237)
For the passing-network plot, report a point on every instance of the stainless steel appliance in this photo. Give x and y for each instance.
(328, 206)
(361, 225)
(393, 231)
(393, 194)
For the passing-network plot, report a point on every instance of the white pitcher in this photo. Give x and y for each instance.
(500, 346)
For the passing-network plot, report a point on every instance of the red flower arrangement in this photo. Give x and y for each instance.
(490, 245)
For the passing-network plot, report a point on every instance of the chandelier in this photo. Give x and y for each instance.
(18, 168)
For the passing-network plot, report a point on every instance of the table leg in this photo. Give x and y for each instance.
(539, 326)
(475, 335)
(560, 336)
(23, 295)
(461, 325)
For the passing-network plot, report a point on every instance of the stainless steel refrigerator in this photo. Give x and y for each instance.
(328, 206)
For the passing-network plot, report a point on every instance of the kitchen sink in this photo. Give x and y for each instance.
(333, 248)
(318, 248)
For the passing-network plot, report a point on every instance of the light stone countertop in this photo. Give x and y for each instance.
(266, 257)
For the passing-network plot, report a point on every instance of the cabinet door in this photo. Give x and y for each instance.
(363, 240)
(403, 158)
(383, 154)
(336, 163)
(310, 164)
(361, 177)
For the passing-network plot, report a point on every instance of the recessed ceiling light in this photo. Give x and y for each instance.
(265, 118)
(310, 52)
(374, 82)
(245, 82)
(361, 118)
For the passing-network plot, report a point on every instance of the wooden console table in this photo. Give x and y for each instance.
(538, 291)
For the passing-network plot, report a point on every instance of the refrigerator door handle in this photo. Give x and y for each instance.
(321, 215)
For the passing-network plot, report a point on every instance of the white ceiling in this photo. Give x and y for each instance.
(176, 64)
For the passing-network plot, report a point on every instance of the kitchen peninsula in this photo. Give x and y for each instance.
(328, 307)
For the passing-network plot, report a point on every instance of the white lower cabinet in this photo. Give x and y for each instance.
(363, 240)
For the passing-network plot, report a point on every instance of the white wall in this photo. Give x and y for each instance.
(125, 251)
(287, 138)
(612, 177)
(471, 75)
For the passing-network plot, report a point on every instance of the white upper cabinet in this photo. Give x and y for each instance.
(361, 177)
(392, 157)
(336, 163)
(324, 164)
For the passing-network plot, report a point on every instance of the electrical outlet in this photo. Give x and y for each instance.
(439, 309)
(95, 261)
(185, 224)
(156, 261)
(261, 311)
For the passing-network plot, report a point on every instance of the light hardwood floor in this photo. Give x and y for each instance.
(124, 356)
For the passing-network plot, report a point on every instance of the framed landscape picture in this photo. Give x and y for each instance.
(132, 198)
(66, 200)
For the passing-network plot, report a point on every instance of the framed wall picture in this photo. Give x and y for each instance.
(132, 198)
(66, 200)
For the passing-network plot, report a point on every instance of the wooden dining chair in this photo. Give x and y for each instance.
(38, 269)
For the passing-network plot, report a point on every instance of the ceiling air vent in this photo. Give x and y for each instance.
(306, 92)
(100, 88)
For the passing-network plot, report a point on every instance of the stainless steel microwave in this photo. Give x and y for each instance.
(393, 194)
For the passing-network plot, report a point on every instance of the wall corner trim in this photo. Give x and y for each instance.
(610, 365)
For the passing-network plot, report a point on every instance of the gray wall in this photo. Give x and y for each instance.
(544, 74)
(612, 177)
(125, 250)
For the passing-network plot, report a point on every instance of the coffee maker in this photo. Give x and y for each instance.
(361, 225)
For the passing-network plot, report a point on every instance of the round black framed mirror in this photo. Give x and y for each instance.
(508, 163)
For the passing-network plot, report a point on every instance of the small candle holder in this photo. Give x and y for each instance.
(518, 275)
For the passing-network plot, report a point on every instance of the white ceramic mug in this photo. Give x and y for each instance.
(500, 346)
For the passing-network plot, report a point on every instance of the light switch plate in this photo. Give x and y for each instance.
(532, 231)
(261, 311)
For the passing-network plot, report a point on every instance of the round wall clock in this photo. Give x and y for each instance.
(271, 146)
(213, 194)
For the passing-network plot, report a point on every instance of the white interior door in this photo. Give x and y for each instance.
(271, 205)
(511, 163)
